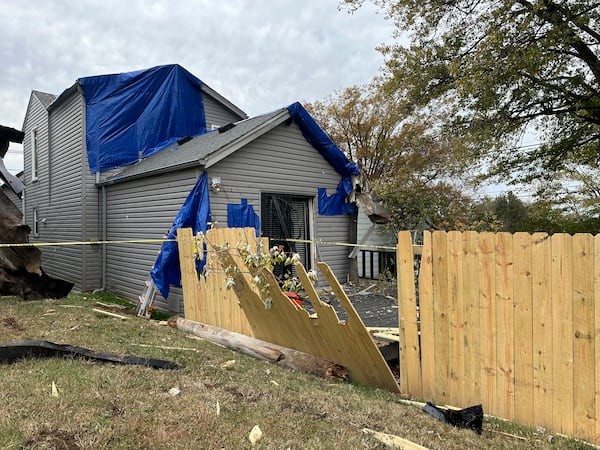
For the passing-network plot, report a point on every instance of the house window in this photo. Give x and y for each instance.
(34, 155)
(286, 217)
(35, 222)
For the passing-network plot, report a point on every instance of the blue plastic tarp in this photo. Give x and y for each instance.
(243, 215)
(194, 214)
(139, 113)
(337, 203)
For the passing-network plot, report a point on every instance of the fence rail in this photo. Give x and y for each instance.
(511, 321)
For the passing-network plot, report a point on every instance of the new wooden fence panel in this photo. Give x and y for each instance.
(513, 322)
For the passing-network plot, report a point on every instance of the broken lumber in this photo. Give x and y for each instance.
(283, 356)
(21, 273)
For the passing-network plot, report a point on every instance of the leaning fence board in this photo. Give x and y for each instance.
(270, 316)
(523, 328)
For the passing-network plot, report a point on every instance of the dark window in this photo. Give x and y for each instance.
(287, 217)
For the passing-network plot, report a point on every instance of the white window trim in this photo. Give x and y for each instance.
(34, 155)
(35, 222)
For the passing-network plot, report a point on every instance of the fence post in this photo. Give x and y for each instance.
(410, 351)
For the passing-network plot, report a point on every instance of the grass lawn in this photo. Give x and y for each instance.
(215, 405)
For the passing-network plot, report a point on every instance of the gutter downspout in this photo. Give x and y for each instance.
(104, 238)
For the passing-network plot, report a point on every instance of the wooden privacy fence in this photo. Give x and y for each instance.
(243, 309)
(511, 321)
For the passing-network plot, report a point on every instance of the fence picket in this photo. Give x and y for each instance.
(523, 328)
(562, 325)
(541, 255)
(487, 319)
(583, 331)
(504, 326)
(427, 324)
(440, 316)
(471, 331)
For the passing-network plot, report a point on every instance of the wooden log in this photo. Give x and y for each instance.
(283, 356)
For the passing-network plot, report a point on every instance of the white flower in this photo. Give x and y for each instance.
(230, 283)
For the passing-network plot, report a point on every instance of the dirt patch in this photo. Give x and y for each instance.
(52, 440)
(11, 322)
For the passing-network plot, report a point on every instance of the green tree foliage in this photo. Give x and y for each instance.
(406, 165)
(511, 212)
(492, 68)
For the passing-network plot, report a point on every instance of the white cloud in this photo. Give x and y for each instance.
(260, 54)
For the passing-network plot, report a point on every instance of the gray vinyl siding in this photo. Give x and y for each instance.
(216, 114)
(281, 161)
(59, 201)
(143, 209)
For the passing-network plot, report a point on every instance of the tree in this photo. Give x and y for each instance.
(511, 211)
(496, 68)
(404, 163)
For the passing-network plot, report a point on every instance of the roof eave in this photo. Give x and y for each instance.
(115, 180)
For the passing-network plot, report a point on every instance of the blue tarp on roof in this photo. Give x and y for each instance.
(194, 214)
(337, 203)
(140, 112)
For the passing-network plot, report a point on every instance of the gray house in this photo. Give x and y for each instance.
(274, 162)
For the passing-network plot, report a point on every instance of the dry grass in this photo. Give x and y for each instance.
(105, 406)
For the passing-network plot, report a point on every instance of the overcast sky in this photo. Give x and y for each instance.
(260, 54)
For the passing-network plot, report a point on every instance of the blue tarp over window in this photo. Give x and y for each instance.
(335, 204)
(140, 112)
(194, 214)
(243, 215)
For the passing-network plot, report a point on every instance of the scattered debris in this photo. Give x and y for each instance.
(14, 351)
(174, 391)
(54, 390)
(101, 311)
(255, 435)
(227, 364)
(393, 441)
(218, 408)
(471, 417)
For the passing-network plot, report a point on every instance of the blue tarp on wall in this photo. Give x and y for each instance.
(337, 203)
(243, 215)
(194, 214)
(140, 112)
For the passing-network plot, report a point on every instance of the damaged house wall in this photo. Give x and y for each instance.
(279, 161)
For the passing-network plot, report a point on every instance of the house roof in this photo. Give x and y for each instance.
(44, 98)
(204, 150)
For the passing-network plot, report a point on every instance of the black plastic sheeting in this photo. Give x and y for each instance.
(471, 417)
(15, 351)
